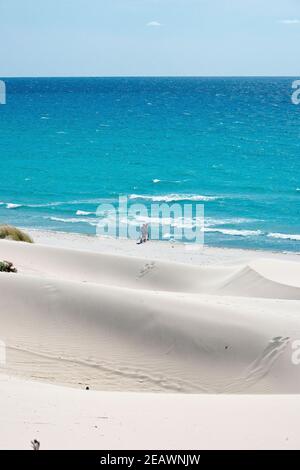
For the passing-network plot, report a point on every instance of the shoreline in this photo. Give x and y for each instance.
(177, 252)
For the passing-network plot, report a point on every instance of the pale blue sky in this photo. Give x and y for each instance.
(149, 37)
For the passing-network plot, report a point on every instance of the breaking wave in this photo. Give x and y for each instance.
(285, 236)
(174, 197)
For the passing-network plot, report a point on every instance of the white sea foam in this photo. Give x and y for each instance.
(173, 197)
(71, 220)
(48, 204)
(154, 220)
(235, 233)
(156, 180)
(285, 236)
(10, 205)
(84, 213)
(210, 222)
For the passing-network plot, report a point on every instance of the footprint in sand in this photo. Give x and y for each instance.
(148, 267)
(268, 356)
(261, 365)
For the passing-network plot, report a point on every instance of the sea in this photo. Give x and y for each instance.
(69, 145)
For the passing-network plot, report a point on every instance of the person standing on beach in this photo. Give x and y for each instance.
(144, 234)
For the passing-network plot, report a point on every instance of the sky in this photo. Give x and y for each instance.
(149, 37)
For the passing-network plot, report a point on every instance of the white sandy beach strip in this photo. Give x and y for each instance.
(163, 250)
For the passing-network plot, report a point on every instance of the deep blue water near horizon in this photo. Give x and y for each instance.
(69, 143)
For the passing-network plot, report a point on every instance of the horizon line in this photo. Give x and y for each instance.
(149, 76)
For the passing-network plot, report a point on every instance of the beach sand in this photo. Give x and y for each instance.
(66, 418)
(212, 330)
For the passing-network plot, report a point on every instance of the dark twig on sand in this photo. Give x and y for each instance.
(7, 267)
(35, 444)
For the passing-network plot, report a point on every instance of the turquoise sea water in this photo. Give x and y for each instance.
(68, 144)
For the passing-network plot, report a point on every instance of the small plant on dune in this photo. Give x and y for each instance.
(8, 232)
(7, 267)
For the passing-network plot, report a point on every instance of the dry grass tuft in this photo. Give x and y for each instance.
(8, 232)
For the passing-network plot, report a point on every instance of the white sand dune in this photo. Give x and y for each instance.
(117, 322)
(260, 278)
